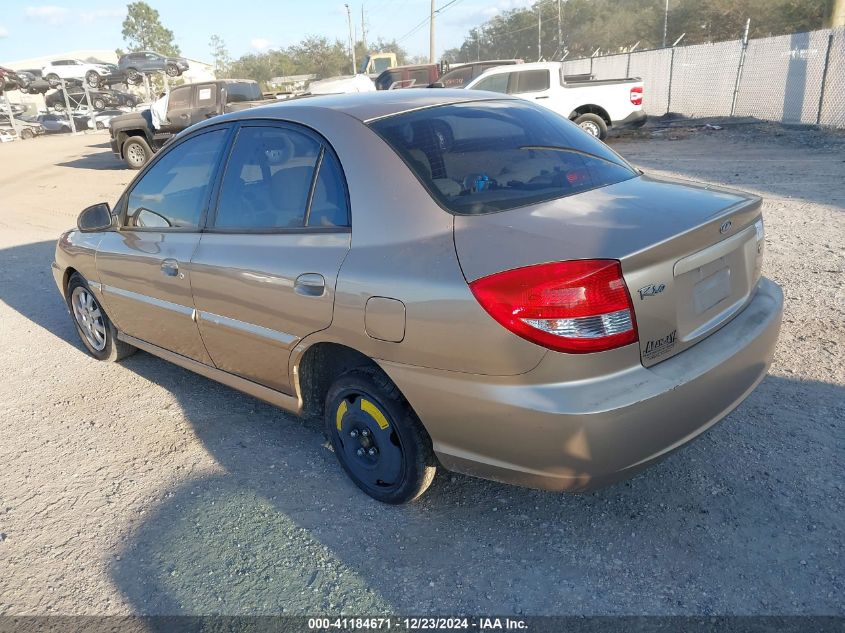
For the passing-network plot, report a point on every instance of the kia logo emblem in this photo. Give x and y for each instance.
(726, 226)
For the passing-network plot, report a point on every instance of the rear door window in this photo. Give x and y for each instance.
(531, 81)
(487, 156)
(268, 180)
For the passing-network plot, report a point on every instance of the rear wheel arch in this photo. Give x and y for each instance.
(590, 109)
(319, 366)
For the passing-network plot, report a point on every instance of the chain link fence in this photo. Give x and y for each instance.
(797, 78)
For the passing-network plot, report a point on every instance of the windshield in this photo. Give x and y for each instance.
(488, 156)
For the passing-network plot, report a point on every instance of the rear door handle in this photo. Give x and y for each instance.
(170, 267)
(310, 285)
(545, 97)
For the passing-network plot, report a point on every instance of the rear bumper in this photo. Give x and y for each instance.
(584, 434)
(635, 119)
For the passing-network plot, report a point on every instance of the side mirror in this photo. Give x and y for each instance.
(97, 217)
(437, 84)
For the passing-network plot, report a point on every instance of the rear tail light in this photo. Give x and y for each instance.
(637, 95)
(577, 306)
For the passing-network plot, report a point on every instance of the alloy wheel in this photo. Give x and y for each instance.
(89, 318)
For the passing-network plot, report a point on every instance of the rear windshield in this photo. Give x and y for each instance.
(488, 156)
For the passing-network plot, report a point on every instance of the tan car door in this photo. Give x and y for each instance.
(264, 273)
(145, 265)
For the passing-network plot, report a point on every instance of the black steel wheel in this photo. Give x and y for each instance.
(377, 437)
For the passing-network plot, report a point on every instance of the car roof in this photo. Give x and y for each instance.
(366, 106)
(553, 66)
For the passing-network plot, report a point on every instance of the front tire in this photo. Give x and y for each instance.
(136, 152)
(99, 104)
(53, 80)
(133, 77)
(172, 70)
(593, 125)
(26, 133)
(377, 437)
(95, 329)
(93, 79)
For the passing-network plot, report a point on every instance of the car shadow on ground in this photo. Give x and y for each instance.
(745, 520)
(96, 161)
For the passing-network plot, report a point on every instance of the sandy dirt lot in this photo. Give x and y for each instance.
(142, 488)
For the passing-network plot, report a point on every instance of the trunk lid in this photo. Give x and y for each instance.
(690, 253)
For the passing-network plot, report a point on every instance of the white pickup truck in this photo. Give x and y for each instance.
(595, 105)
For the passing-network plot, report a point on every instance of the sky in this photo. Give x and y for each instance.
(29, 29)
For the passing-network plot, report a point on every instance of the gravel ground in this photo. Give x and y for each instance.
(142, 488)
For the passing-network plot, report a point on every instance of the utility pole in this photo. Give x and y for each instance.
(539, 31)
(665, 23)
(363, 28)
(351, 40)
(431, 35)
(559, 31)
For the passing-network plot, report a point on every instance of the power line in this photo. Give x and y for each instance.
(451, 3)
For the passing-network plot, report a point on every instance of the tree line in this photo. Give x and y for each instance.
(585, 26)
(613, 26)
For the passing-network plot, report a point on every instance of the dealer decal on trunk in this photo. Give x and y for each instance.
(655, 349)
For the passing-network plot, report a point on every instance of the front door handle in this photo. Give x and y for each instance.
(543, 97)
(170, 267)
(310, 285)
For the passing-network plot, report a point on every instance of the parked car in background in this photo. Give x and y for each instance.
(9, 79)
(101, 119)
(535, 311)
(77, 69)
(100, 99)
(412, 76)
(17, 108)
(114, 77)
(137, 63)
(137, 135)
(32, 82)
(459, 75)
(7, 135)
(25, 127)
(57, 123)
(594, 105)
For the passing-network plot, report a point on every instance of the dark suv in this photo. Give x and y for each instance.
(460, 76)
(140, 62)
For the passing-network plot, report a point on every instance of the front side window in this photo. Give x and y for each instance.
(268, 179)
(494, 83)
(494, 155)
(174, 192)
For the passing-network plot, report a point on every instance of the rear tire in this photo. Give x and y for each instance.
(93, 79)
(26, 133)
(133, 76)
(59, 106)
(95, 329)
(377, 437)
(172, 70)
(593, 125)
(99, 104)
(136, 152)
(53, 80)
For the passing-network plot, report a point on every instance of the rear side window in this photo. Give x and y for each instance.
(457, 78)
(173, 193)
(239, 92)
(531, 81)
(180, 98)
(490, 156)
(268, 179)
